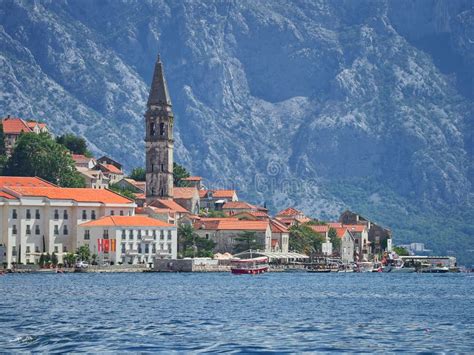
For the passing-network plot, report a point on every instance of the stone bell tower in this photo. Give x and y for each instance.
(159, 139)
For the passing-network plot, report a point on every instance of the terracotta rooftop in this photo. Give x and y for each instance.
(223, 193)
(290, 211)
(232, 224)
(185, 193)
(278, 227)
(126, 221)
(358, 228)
(170, 204)
(75, 194)
(14, 125)
(24, 181)
(238, 205)
(193, 178)
(320, 228)
(112, 168)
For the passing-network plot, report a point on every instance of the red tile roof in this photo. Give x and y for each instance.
(358, 228)
(340, 231)
(334, 224)
(12, 125)
(238, 205)
(202, 193)
(290, 211)
(113, 169)
(232, 224)
(170, 204)
(126, 221)
(193, 178)
(75, 194)
(278, 227)
(25, 181)
(185, 193)
(223, 193)
(320, 228)
(8, 196)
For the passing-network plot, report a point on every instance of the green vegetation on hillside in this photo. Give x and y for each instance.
(75, 144)
(39, 155)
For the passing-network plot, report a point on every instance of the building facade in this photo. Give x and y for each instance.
(129, 239)
(37, 217)
(159, 120)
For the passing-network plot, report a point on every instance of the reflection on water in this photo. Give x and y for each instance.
(223, 312)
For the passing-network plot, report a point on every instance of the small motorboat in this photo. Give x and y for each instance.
(249, 266)
(365, 266)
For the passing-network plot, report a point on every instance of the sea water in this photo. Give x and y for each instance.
(220, 312)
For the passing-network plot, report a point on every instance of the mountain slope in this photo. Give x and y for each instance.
(319, 104)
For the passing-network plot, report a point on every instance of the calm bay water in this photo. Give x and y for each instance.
(221, 312)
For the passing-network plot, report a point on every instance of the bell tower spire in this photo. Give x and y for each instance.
(159, 141)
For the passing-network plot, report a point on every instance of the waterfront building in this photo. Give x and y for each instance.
(129, 239)
(111, 172)
(280, 236)
(215, 199)
(38, 217)
(291, 216)
(187, 197)
(234, 207)
(94, 179)
(81, 161)
(380, 238)
(13, 127)
(347, 245)
(225, 232)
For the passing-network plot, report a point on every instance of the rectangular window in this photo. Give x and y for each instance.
(65, 231)
(56, 214)
(56, 249)
(105, 235)
(162, 235)
(121, 212)
(123, 234)
(153, 248)
(27, 249)
(37, 214)
(147, 249)
(112, 212)
(37, 230)
(92, 214)
(13, 250)
(65, 215)
(64, 249)
(130, 234)
(14, 229)
(14, 215)
(37, 249)
(28, 229)
(28, 214)
(169, 235)
(84, 214)
(87, 235)
(56, 230)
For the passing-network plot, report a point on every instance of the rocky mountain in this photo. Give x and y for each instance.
(323, 105)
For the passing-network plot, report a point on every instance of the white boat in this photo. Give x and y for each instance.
(365, 266)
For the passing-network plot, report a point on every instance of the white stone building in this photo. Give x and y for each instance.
(38, 217)
(129, 239)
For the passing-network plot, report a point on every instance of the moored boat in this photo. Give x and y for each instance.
(249, 266)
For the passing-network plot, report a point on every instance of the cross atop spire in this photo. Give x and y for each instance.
(159, 90)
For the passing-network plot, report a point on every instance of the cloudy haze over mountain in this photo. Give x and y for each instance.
(321, 105)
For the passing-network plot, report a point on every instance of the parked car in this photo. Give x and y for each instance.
(82, 264)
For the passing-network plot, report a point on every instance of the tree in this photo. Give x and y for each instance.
(39, 155)
(138, 174)
(191, 244)
(179, 173)
(83, 253)
(126, 192)
(246, 241)
(401, 251)
(69, 259)
(3, 150)
(304, 240)
(54, 259)
(335, 240)
(74, 144)
(41, 260)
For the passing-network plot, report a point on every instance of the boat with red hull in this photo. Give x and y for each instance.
(252, 266)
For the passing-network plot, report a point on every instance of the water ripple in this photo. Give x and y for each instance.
(221, 313)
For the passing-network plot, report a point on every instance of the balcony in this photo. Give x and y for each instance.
(131, 252)
(148, 238)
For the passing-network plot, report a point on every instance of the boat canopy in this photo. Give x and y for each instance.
(272, 255)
